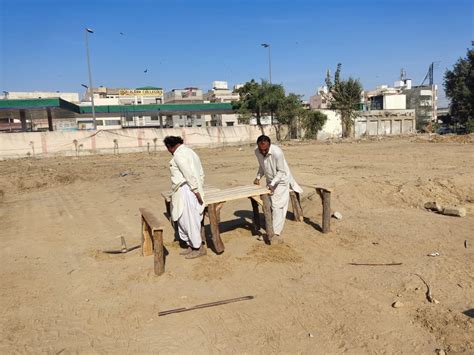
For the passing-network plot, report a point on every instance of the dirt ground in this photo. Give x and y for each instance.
(61, 294)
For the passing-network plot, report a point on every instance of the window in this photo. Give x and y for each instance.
(229, 124)
(112, 123)
(99, 122)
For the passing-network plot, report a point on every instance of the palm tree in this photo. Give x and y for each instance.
(344, 96)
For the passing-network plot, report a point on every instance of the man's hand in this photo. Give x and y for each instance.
(271, 188)
(199, 198)
(256, 181)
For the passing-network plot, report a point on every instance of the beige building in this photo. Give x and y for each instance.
(320, 100)
(188, 95)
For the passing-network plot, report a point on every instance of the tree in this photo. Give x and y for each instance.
(344, 97)
(459, 87)
(288, 111)
(249, 102)
(257, 100)
(313, 122)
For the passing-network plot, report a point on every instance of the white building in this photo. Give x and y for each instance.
(423, 99)
(404, 96)
(38, 120)
(14, 95)
(385, 98)
(104, 96)
(220, 93)
(139, 96)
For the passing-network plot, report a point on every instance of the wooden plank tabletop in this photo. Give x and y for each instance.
(235, 193)
(214, 194)
(207, 189)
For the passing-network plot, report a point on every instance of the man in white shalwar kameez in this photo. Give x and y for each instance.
(273, 166)
(187, 198)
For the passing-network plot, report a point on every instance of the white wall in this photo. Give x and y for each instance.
(394, 102)
(383, 122)
(18, 145)
(332, 128)
(98, 101)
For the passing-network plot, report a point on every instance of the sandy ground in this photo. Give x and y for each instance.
(60, 294)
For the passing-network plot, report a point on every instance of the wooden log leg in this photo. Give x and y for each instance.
(168, 210)
(147, 243)
(267, 212)
(203, 231)
(299, 208)
(295, 203)
(256, 215)
(159, 261)
(326, 196)
(214, 222)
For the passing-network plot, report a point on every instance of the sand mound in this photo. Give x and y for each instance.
(276, 253)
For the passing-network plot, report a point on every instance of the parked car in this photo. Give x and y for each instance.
(462, 130)
(444, 130)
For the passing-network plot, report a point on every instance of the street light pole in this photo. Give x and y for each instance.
(91, 88)
(266, 45)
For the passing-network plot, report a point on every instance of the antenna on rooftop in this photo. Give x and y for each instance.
(403, 74)
(430, 73)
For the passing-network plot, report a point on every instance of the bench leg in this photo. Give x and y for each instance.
(214, 219)
(326, 211)
(256, 214)
(326, 201)
(296, 204)
(203, 230)
(159, 252)
(168, 211)
(267, 211)
(147, 243)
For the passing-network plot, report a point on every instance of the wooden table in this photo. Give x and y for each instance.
(214, 199)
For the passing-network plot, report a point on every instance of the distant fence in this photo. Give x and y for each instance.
(20, 145)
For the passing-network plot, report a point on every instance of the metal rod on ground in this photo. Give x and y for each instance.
(205, 305)
(389, 264)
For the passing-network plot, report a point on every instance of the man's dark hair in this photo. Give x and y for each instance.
(263, 138)
(171, 141)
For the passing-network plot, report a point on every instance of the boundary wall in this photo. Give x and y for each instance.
(44, 144)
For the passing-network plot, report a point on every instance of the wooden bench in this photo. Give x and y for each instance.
(214, 199)
(152, 240)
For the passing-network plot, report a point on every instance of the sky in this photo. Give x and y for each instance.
(182, 43)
